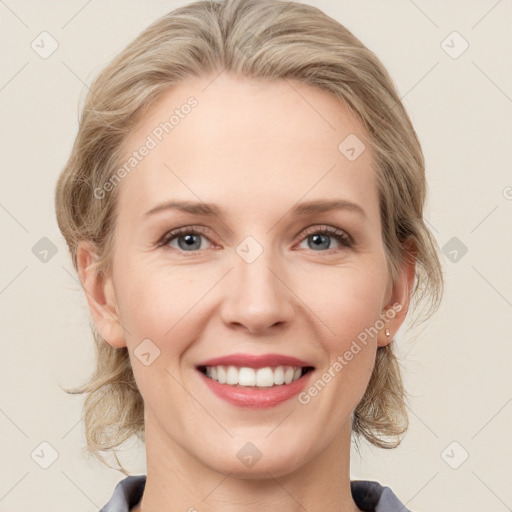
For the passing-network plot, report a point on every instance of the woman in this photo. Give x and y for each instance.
(243, 205)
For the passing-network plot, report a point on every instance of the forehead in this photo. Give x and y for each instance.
(239, 141)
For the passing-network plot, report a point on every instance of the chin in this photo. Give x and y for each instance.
(251, 463)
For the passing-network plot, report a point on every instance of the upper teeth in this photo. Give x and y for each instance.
(261, 377)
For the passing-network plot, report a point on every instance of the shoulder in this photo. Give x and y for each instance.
(371, 496)
(127, 494)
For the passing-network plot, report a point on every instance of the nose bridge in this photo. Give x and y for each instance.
(256, 295)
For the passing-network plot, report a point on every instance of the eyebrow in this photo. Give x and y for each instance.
(301, 209)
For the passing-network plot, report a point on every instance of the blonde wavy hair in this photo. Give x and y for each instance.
(261, 39)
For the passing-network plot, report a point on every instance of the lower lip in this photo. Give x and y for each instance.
(256, 398)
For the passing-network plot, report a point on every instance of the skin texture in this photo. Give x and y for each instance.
(255, 149)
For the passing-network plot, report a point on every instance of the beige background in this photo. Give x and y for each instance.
(457, 367)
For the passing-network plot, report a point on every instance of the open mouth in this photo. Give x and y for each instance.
(266, 377)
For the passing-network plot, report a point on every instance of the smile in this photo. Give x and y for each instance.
(254, 377)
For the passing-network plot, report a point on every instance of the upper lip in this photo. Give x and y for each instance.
(255, 361)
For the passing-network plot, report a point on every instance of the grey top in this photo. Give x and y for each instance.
(369, 496)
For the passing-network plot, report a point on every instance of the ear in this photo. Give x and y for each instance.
(399, 293)
(99, 292)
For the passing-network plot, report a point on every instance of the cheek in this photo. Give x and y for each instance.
(352, 307)
(353, 300)
(158, 306)
(153, 300)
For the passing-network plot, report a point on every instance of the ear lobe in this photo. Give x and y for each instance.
(100, 295)
(398, 305)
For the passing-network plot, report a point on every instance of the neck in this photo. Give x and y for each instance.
(179, 481)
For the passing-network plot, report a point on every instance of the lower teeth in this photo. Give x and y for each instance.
(255, 387)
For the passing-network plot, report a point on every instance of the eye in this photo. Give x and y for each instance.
(188, 239)
(320, 238)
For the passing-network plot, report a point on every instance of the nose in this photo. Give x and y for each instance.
(257, 296)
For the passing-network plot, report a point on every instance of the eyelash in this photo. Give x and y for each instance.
(343, 238)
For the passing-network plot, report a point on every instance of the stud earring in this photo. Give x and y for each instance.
(388, 334)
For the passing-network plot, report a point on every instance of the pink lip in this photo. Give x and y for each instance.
(256, 398)
(254, 361)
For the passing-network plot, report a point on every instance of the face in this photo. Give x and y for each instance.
(266, 278)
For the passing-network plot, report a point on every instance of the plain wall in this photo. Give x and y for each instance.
(456, 366)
